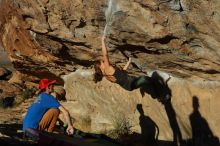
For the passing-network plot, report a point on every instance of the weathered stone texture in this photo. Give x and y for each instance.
(51, 38)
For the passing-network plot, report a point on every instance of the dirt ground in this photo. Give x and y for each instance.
(11, 125)
(12, 135)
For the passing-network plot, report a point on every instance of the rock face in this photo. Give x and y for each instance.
(99, 105)
(176, 36)
(179, 37)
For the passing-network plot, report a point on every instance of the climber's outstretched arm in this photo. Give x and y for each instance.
(127, 64)
(105, 53)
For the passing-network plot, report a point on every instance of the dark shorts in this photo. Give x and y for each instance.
(131, 82)
(127, 84)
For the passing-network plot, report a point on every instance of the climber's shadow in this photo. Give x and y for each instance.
(201, 132)
(157, 88)
(149, 129)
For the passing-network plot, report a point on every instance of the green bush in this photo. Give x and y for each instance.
(26, 94)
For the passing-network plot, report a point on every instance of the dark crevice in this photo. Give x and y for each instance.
(169, 2)
(209, 71)
(81, 24)
(70, 23)
(188, 60)
(164, 40)
(47, 17)
(135, 48)
(60, 40)
(130, 32)
(7, 75)
(212, 71)
(181, 7)
(24, 17)
(64, 54)
(94, 23)
(46, 14)
(66, 57)
(38, 71)
(149, 7)
(63, 40)
(84, 63)
(79, 44)
(190, 28)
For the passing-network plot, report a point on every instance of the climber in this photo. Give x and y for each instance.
(103, 68)
(43, 114)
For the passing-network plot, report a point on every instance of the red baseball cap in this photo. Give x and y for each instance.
(44, 83)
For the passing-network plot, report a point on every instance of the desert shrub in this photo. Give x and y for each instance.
(122, 127)
(26, 94)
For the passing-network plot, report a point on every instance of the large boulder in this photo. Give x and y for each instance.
(179, 38)
(98, 107)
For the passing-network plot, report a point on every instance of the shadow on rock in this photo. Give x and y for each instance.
(201, 132)
(171, 114)
(11, 135)
(79, 138)
(149, 131)
(158, 88)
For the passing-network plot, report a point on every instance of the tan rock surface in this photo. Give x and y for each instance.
(179, 37)
(101, 103)
(3, 72)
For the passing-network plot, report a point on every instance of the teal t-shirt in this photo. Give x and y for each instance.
(38, 109)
